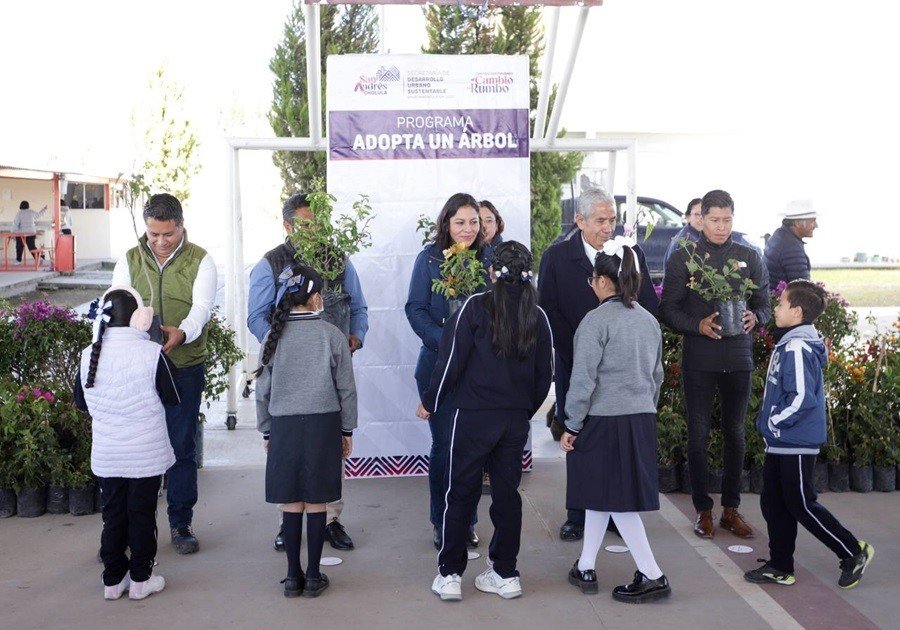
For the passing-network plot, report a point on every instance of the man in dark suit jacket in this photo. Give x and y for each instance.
(566, 297)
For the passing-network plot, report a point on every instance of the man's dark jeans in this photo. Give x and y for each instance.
(182, 423)
(699, 393)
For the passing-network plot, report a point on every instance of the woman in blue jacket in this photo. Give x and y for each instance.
(427, 312)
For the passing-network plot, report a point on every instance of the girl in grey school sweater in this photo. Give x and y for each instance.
(610, 436)
(306, 411)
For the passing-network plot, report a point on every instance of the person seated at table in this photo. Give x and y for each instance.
(24, 223)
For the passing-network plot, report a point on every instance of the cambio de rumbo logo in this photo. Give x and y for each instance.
(377, 84)
(491, 83)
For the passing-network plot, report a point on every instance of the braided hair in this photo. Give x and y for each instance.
(123, 307)
(304, 282)
(623, 272)
(511, 303)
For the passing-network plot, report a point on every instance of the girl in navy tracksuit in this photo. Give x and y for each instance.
(792, 423)
(427, 311)
(496, 357)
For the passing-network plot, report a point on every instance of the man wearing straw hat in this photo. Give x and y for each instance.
(785, 254)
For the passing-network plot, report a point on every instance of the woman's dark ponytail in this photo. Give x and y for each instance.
(513, 292)
(304, 283)
(623, 272)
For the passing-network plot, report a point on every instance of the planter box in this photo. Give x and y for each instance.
(31, 502)
(7, 502)
(57, 500)
(756, 479)
(668, 478)
(885, 478)
(820, 477)
(684, 476)
(839, 477)
(861, 478)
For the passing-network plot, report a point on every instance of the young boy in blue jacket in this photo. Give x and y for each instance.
(792, 423)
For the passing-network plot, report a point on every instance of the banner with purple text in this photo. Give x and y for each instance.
(409, 131)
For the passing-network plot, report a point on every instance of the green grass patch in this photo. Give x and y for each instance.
(862, 287)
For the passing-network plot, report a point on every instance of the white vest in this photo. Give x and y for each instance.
(130, 438)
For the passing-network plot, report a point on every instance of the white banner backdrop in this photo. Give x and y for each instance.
(409, 131)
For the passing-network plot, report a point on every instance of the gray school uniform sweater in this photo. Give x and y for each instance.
(311, 373)
(617, 369)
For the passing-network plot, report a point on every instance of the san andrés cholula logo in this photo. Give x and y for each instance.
(377, 84)
(491, 83)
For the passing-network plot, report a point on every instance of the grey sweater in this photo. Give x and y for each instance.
(617, 369)
(311, 373)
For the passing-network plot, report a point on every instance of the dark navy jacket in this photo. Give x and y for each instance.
(792, 416)
(468, 366)
(566, 296)
(682, 308)
(786, 257)
(427, 311)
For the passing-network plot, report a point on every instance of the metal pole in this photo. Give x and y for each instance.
(553, 128)
(230, 288)
(611, 173)
(313, 73)
(540, 119)
(631, 186)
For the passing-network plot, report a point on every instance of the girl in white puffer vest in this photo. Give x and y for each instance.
(124, 388)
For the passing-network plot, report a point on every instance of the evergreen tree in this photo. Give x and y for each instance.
(343, 29)
(511, 30)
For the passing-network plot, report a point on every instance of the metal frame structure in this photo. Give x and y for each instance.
(542, 140)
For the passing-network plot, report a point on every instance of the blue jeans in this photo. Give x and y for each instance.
(181, 421)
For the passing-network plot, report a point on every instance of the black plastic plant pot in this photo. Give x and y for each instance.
(885, 478)
(731, 317)
(839, 477)
(684, 477)
(756, 479)
(668, 478)
(7, 502)
(861, 478)
(31, 502)
(81, 501)
(714, 480)
(57, 499)
(337, 310)
(820, 477)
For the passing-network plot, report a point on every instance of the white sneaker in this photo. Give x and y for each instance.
(490, 581)
(447, 588)
(140, 590)
(116, 591)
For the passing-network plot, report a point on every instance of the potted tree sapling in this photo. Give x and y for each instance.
(222, 354)
(727, 289)
(325, 242)
(670, 434)
(33, 448)
(462, 274)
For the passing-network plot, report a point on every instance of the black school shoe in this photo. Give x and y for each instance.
(315, 585)
(184, 541)
(293, 587)
(585, 580)
(642, 589)
(337, 536)
(852, 568)
(472, 539)
(278, 545)
(767, 574)
(571, 531)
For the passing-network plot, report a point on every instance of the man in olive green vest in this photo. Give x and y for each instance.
(178, 279)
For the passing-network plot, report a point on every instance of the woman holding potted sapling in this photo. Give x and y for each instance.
(708, 285)
(449, 268)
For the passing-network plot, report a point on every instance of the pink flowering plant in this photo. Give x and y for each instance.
(47, 342)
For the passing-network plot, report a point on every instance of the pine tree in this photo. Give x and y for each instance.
(347, 29)
(511, 30)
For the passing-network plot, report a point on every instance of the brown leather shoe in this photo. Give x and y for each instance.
(735, 523)
(703, 527)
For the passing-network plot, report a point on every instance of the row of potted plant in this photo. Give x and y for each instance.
(45, 442)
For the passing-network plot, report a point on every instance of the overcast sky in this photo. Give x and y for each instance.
(770, 100)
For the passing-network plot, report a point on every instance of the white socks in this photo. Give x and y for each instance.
(633, 533)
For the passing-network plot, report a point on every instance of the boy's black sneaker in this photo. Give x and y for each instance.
(852, 568)
(184, 541)
(585, 580)
(642, 589)
(293, 587)
(315, 585)
(767, 574)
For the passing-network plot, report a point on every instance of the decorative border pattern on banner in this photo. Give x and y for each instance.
(401, 466)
